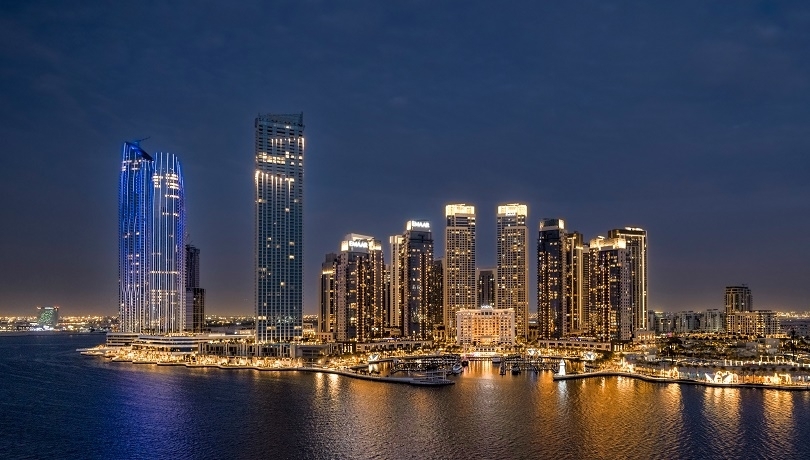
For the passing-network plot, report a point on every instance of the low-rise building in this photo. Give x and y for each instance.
(485, 326)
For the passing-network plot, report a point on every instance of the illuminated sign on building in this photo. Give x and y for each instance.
(358, 244)
(418, 224)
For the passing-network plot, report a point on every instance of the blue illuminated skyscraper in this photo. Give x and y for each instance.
(168, 271)
(134, 238)
(279, 226)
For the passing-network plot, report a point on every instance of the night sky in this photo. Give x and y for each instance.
(689, 119)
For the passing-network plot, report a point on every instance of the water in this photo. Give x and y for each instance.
(55, 403)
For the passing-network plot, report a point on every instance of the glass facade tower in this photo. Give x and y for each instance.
(167, 281)
(135, 193)
(279, 229)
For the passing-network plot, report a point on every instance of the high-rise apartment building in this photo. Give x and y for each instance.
(167, 283)
(327, 299)
(512, 279)
(636, 240)
(135, 208)
(195, 295)
(436, 299)
(576, 283)
(359, 289)
(279, 229)
(414, 268)
(486, 286)
(610, 285)
(396, 282)
(738, 299)
(459, 263)
(552, 312)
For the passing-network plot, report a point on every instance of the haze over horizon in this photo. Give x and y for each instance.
(690, 120)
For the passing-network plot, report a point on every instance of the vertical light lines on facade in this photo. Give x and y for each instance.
(636, 239)
(167, 281)
(610, 289)
(459, 263)
(551, 270)
(134, 238)
(360, 289)
(278, 177)
(416, 265)
(512, 281)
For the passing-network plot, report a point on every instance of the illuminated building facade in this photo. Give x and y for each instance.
(576, 283)
(395, 274)
(167, 283)
(195, 295)
(414, 267)
(738, 299)
(459, 263)
(753, 323)
(48, 317)
(134, 239)
(485, 326)
(436, 299)
(486, 287)
(552, 317)
(610, 304)
(512, 283)
(327, 299)
(359, 289)
(279, 226)
(636, 240)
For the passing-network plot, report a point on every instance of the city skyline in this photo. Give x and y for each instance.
(664, 119)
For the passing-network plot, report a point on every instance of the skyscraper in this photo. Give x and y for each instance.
(512, 283)
(436, 299)
(167, 283)
(486, 286)
(195, 295)
(576, 283)
(738, 299)
(415, 265)
(396, 281)
(552, 267)
(279, 202)
(636, 239)
(459, 263)
(610, 297)
(327, 299)
(135, 193)
(359, 289)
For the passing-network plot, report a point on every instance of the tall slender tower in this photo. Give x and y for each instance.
(636, 239)
(195, 295)
(279, 226)
(327, 299)
(168, 271)
(459, 263)
(551, 269)
(610, 298)
(576, 283)
(512, 281)
(416, 265)
(395, 293)
(135, 193)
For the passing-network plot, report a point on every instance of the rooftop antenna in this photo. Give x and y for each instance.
(138, 142)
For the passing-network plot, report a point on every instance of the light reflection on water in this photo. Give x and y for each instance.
(147, 411)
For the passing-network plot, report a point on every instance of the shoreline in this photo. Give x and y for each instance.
(425, 380)
(651, 379)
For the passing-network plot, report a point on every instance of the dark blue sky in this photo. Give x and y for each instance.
(690, 119)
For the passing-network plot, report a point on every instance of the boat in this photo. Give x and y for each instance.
(496, 359)
(464, 361)
(515, 369)
(503, 370)
(457, 369)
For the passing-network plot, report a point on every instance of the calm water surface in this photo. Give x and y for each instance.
(55, 403)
